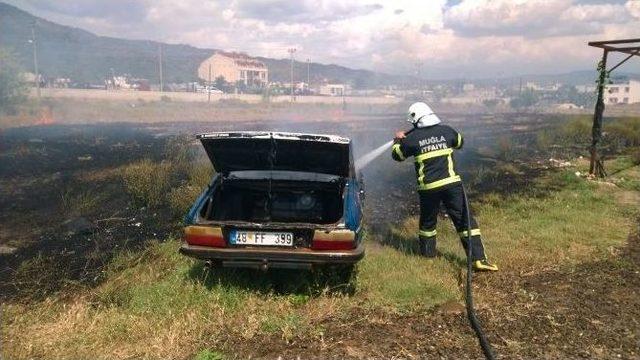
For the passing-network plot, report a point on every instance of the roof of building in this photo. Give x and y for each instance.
(242, 59)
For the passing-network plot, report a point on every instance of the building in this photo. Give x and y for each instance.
(334, 89)
(234, 67)
(567, 106)
(627, 92)
(584, 89)
(530, 85)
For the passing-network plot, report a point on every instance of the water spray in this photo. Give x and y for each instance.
(367, 158)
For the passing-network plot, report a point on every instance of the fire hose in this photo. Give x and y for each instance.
(487, 350)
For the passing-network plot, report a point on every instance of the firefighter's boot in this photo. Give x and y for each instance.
(484, 265)
(427, 246)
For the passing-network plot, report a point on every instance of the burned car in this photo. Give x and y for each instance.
(280, 200)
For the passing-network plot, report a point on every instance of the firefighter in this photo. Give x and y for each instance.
(431, 145)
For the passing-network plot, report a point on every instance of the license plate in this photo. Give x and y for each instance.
(261, 238)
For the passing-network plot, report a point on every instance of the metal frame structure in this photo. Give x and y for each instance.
(625, 46)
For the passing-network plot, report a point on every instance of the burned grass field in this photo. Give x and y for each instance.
(90, 227)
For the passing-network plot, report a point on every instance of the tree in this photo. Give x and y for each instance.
(13, 87)
(491, 103)
(528, 98)
(221, 84)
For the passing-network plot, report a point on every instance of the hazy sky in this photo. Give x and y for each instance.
(432, 38)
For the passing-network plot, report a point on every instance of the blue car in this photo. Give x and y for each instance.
(278, 200)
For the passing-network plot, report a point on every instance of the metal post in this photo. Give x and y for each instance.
(291, 51)
(308, 78)
(209, 86)
(35, 59)
(595, 165)
(160, 65)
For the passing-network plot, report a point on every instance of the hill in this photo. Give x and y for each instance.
(78, 54)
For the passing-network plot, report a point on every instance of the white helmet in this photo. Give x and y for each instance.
(421, 115)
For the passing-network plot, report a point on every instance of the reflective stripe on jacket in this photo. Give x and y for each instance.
(432, 148)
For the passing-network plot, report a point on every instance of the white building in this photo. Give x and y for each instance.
(334, 89)
(623, 93)
(583, 89)
(234, 67)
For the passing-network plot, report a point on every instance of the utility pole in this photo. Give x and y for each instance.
(160, 66)
(520, 88)
(113, 80)
(308, 78)
(209, 85)
(35, 58)
(291, 52)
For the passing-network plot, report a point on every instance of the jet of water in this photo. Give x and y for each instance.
(364, 160)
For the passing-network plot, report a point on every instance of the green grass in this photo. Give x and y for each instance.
(209, 355)
(397, 281)
(159, 304)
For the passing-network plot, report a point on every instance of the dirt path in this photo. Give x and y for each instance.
(588, 311)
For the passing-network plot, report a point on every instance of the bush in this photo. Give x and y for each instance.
(180, 153)
(147, 182)
(505, 148)
(181, 198)
(544, 140)
(13, 87)
(635, 156)
(526, 99)
(577, 130)
(623, 133)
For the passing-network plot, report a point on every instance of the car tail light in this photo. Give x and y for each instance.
(204, 236)
(333, 240)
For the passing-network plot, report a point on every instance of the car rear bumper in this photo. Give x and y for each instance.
(273, 258)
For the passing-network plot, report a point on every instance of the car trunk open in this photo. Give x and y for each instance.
(238, 151)
(271, 177)
(277, 197)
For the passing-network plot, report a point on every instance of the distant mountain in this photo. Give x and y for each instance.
(65, 51)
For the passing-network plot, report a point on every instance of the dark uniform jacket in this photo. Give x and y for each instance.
(432, 149)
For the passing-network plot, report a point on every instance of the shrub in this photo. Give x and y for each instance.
(635, 156)
(182, 197)
(544, 140)
(577, 130)
(200, 174)
(623, 132)
(76, 202)
(505, 148)
(147, 182)
(13, 88)
(180, 153)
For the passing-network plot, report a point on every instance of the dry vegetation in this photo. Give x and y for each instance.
(153, 303)
(158, 304)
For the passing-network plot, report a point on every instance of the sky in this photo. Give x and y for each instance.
(434, 39)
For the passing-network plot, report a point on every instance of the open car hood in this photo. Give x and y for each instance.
(255, 150)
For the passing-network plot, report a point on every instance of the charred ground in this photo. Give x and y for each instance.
(68, 221)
